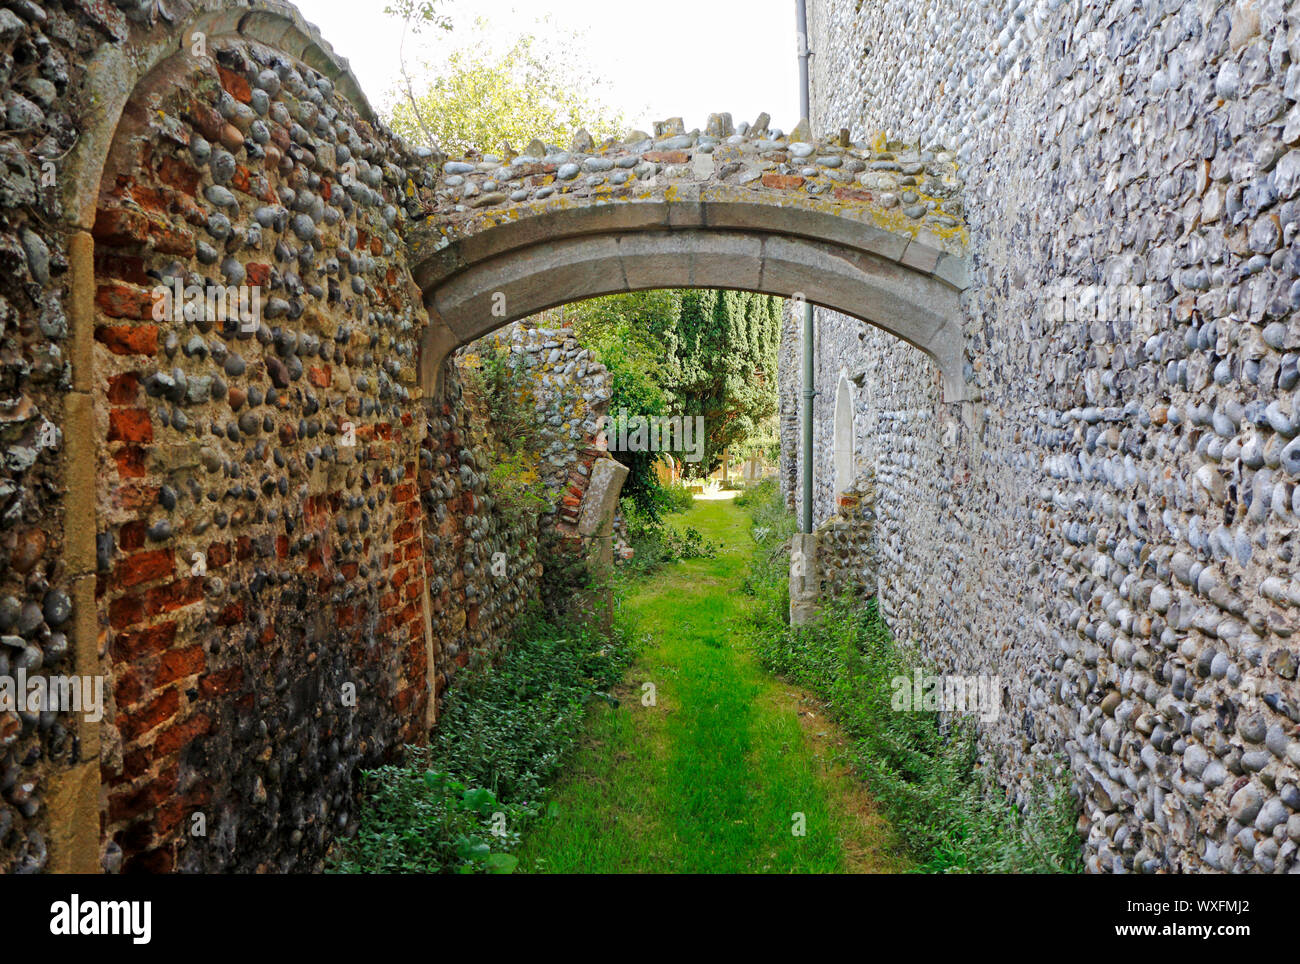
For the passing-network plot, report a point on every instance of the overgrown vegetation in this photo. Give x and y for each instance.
(517, 494)
(711, 765)
(724, 358)
(655, 541)
(506, 727)
(689, 353)
(773, 525)
(503, 390)
(922, 768)
(626, 332)
(677, 498)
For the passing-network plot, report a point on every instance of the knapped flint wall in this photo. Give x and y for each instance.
(1112, 528)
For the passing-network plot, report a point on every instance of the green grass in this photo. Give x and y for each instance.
(716, 775)
(923, 770)
(505, 730)
(554, 759)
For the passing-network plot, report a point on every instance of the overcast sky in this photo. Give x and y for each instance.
(665, 58)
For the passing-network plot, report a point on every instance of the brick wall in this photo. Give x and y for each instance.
(260, 540)
(274, 549)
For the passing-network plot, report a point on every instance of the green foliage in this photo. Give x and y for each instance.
(629, 333)
(507, 727)
(657, 543)
(505, 730)
(689, 353)
(920, 766)
(772, 526)
(514, 485)
(714, 779)
(726, 357)
(677, 498)
(638, 329)
(418, 14)
(564, 573)
(479, 98)
(689, 543)
(773, 520)
(763, 443)
(421, 820)
(504, 390)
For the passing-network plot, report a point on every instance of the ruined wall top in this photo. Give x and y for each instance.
(910, 196)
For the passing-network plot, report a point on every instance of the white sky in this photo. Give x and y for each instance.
(660, 59)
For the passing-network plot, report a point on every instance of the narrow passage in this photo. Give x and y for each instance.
(729, 770)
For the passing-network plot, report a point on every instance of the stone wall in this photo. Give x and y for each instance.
(39, 50)
(568, 397)
(846, 545)
(1111, 527)
(483, 565)
(563, 393)
(246, 517)
(259, 532)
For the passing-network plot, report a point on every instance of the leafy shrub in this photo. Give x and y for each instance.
(922, 767)
(506, 726)
(771, 529)
(655, 543)
(420, 820)
(460, 804)
(627, 334)
(677, 498)
(515, 487)
(767, 507)
(688, 544)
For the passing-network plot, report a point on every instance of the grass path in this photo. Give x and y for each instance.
(718, 774)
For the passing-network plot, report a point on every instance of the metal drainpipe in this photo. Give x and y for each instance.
(809, 392)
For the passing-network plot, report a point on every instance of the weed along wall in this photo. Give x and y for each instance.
(1109, 526)
(226, 499)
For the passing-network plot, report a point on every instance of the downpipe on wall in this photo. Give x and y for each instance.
(809, 391)
(803, 546)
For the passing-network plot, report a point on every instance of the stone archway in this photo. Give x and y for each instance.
(861, 231)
